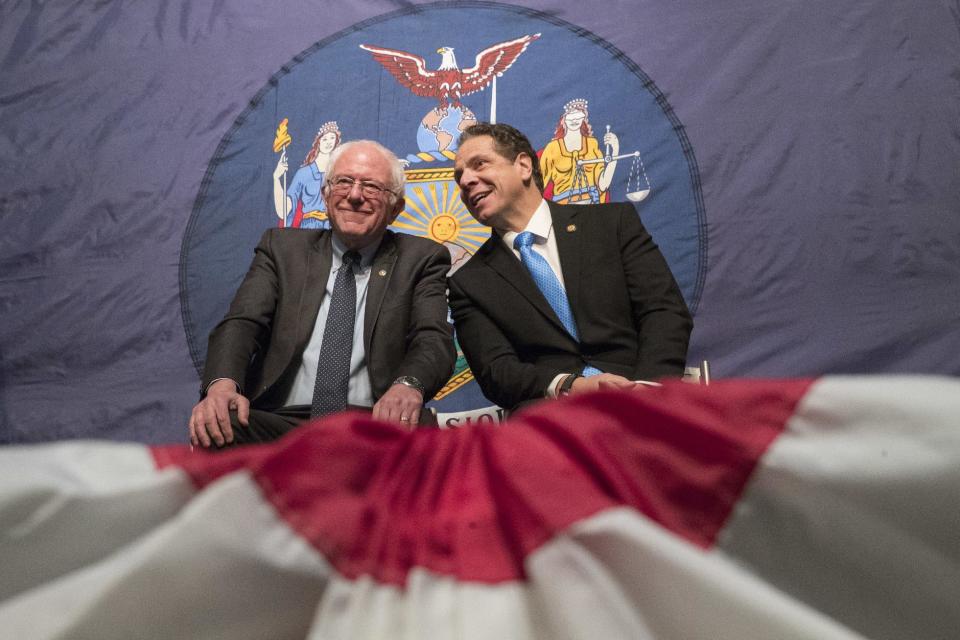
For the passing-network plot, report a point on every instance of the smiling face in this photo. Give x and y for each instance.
(356, 219)
(496, 191)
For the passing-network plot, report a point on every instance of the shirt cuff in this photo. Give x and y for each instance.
(239, 390)
(551, 391)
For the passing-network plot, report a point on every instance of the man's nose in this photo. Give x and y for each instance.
(464, 189)
(356, 192)
(467, 178)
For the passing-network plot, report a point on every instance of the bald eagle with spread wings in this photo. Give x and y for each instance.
(448, 83)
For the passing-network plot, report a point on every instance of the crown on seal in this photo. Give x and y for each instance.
(577, 104)
(328, 127)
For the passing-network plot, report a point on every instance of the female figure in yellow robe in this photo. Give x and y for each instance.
(573, 141)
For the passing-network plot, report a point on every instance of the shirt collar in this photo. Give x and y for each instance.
(366, 254)
(540, 225)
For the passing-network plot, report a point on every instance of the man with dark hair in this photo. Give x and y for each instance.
(561, 299)
(509, 143)
(325, 320)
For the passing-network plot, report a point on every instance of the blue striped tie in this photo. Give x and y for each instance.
(550, 286)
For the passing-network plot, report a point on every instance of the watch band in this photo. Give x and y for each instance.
(410, 381)
(567, 384)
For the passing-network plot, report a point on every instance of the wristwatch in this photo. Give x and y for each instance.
(411, 382)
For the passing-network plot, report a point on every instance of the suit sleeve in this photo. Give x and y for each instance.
(504, 378)
(660, 314)
(245, 330)
(430, 355)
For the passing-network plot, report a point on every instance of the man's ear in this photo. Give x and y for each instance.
(525, 163)
(397, 208)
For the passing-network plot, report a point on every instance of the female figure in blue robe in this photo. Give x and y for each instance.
(302, 205)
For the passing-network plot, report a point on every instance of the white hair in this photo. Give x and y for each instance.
(397, 177)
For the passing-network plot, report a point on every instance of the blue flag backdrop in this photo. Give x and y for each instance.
(796, 163)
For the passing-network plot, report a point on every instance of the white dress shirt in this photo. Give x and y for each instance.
(544, 243)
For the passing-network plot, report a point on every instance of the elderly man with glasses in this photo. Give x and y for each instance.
(327, 320)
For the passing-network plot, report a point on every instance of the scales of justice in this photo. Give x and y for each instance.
(637, 189)
(638, 184)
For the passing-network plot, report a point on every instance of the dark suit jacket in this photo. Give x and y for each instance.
(260, 341)
(629, 311)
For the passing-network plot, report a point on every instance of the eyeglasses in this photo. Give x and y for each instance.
(342, 185)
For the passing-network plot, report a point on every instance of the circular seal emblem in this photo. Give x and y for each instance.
(603, 131)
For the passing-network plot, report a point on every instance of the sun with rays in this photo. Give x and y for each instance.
(434, 210)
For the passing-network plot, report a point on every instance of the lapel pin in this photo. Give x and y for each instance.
(571, 228)
(382, 272)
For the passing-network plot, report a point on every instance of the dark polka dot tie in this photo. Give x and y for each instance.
(333, 366)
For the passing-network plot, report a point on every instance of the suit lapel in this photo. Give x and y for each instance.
(381, 272)
(567, 234)
(316, 273)
(508, 266)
